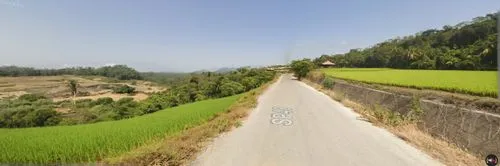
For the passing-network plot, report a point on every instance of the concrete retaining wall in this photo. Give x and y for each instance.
(475, 130)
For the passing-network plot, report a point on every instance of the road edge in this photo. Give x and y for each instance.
(439, 149)
(185, 147)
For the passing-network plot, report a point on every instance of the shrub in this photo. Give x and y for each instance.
(29, 116)
(32, 97)
(84, 103)
(124, 89)
(301, 68)
(328, 83)
(103, 101)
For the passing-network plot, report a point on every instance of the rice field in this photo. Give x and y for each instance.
(482, 83)
(92, 142)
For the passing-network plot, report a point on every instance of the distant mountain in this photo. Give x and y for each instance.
(225, 70)
(219, 70)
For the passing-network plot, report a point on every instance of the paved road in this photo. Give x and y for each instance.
(297, 125)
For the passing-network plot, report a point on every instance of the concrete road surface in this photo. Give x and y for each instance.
(296, 125)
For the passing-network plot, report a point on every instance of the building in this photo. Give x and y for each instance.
(327, 64)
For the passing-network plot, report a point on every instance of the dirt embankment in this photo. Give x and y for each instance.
(56, 87)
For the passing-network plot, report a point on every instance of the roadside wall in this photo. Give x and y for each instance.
(475, 130)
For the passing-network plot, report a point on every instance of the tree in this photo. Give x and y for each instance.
(73, 87)
(230, 88)
(301, 67)
(470, 45)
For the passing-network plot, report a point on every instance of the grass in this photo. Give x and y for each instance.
(482, 83)
(180, 149)
(94, 142)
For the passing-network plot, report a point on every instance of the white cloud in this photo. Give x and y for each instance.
(343, 42)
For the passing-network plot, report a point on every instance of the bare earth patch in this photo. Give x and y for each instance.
(115, 97)
(56, 88)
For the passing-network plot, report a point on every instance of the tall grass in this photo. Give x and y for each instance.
(483, 83)
(92, 142)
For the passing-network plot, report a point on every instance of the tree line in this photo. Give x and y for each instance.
(466, 46)
(121, 72)
(208, 85)
(36, 110)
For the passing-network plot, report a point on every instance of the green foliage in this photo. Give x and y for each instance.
(103, 101)
(31, 97)
(328, 82)
(301, 67)
(387, 117)
(250, 83)
(164, 78)
(197, 87)
(230, 88)
(93, 142)
(29, 110)
(73, 87)
(124, 89)
(483, 83)
(466, 46)
(201, 86)
(121, 72)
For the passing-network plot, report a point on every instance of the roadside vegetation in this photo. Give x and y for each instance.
(482, 83)
(300, 68)
(182, 148)
(92, 142)
(37, 110)
(41, 133)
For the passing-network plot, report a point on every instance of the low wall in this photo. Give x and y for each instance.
(475, 130)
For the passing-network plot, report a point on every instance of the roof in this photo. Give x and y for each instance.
(328, 63)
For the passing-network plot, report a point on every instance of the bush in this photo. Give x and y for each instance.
(84, 103)
(301, 68)
(328, 82)
(32, 97)
(103, 101)
(250, 83)
(124, 89)
(29, 116)
(231, 88)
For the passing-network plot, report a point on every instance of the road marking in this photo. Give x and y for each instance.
(281, 116)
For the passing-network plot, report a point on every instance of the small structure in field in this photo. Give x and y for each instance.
(327, 64)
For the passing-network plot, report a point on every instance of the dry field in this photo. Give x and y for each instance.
(56, 88)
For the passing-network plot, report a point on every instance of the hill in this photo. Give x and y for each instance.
(468, 45)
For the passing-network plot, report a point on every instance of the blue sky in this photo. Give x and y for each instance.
(188, 35)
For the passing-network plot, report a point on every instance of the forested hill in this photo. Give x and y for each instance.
(468, 45)
(121, 72)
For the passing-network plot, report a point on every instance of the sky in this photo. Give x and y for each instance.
(190, 35)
